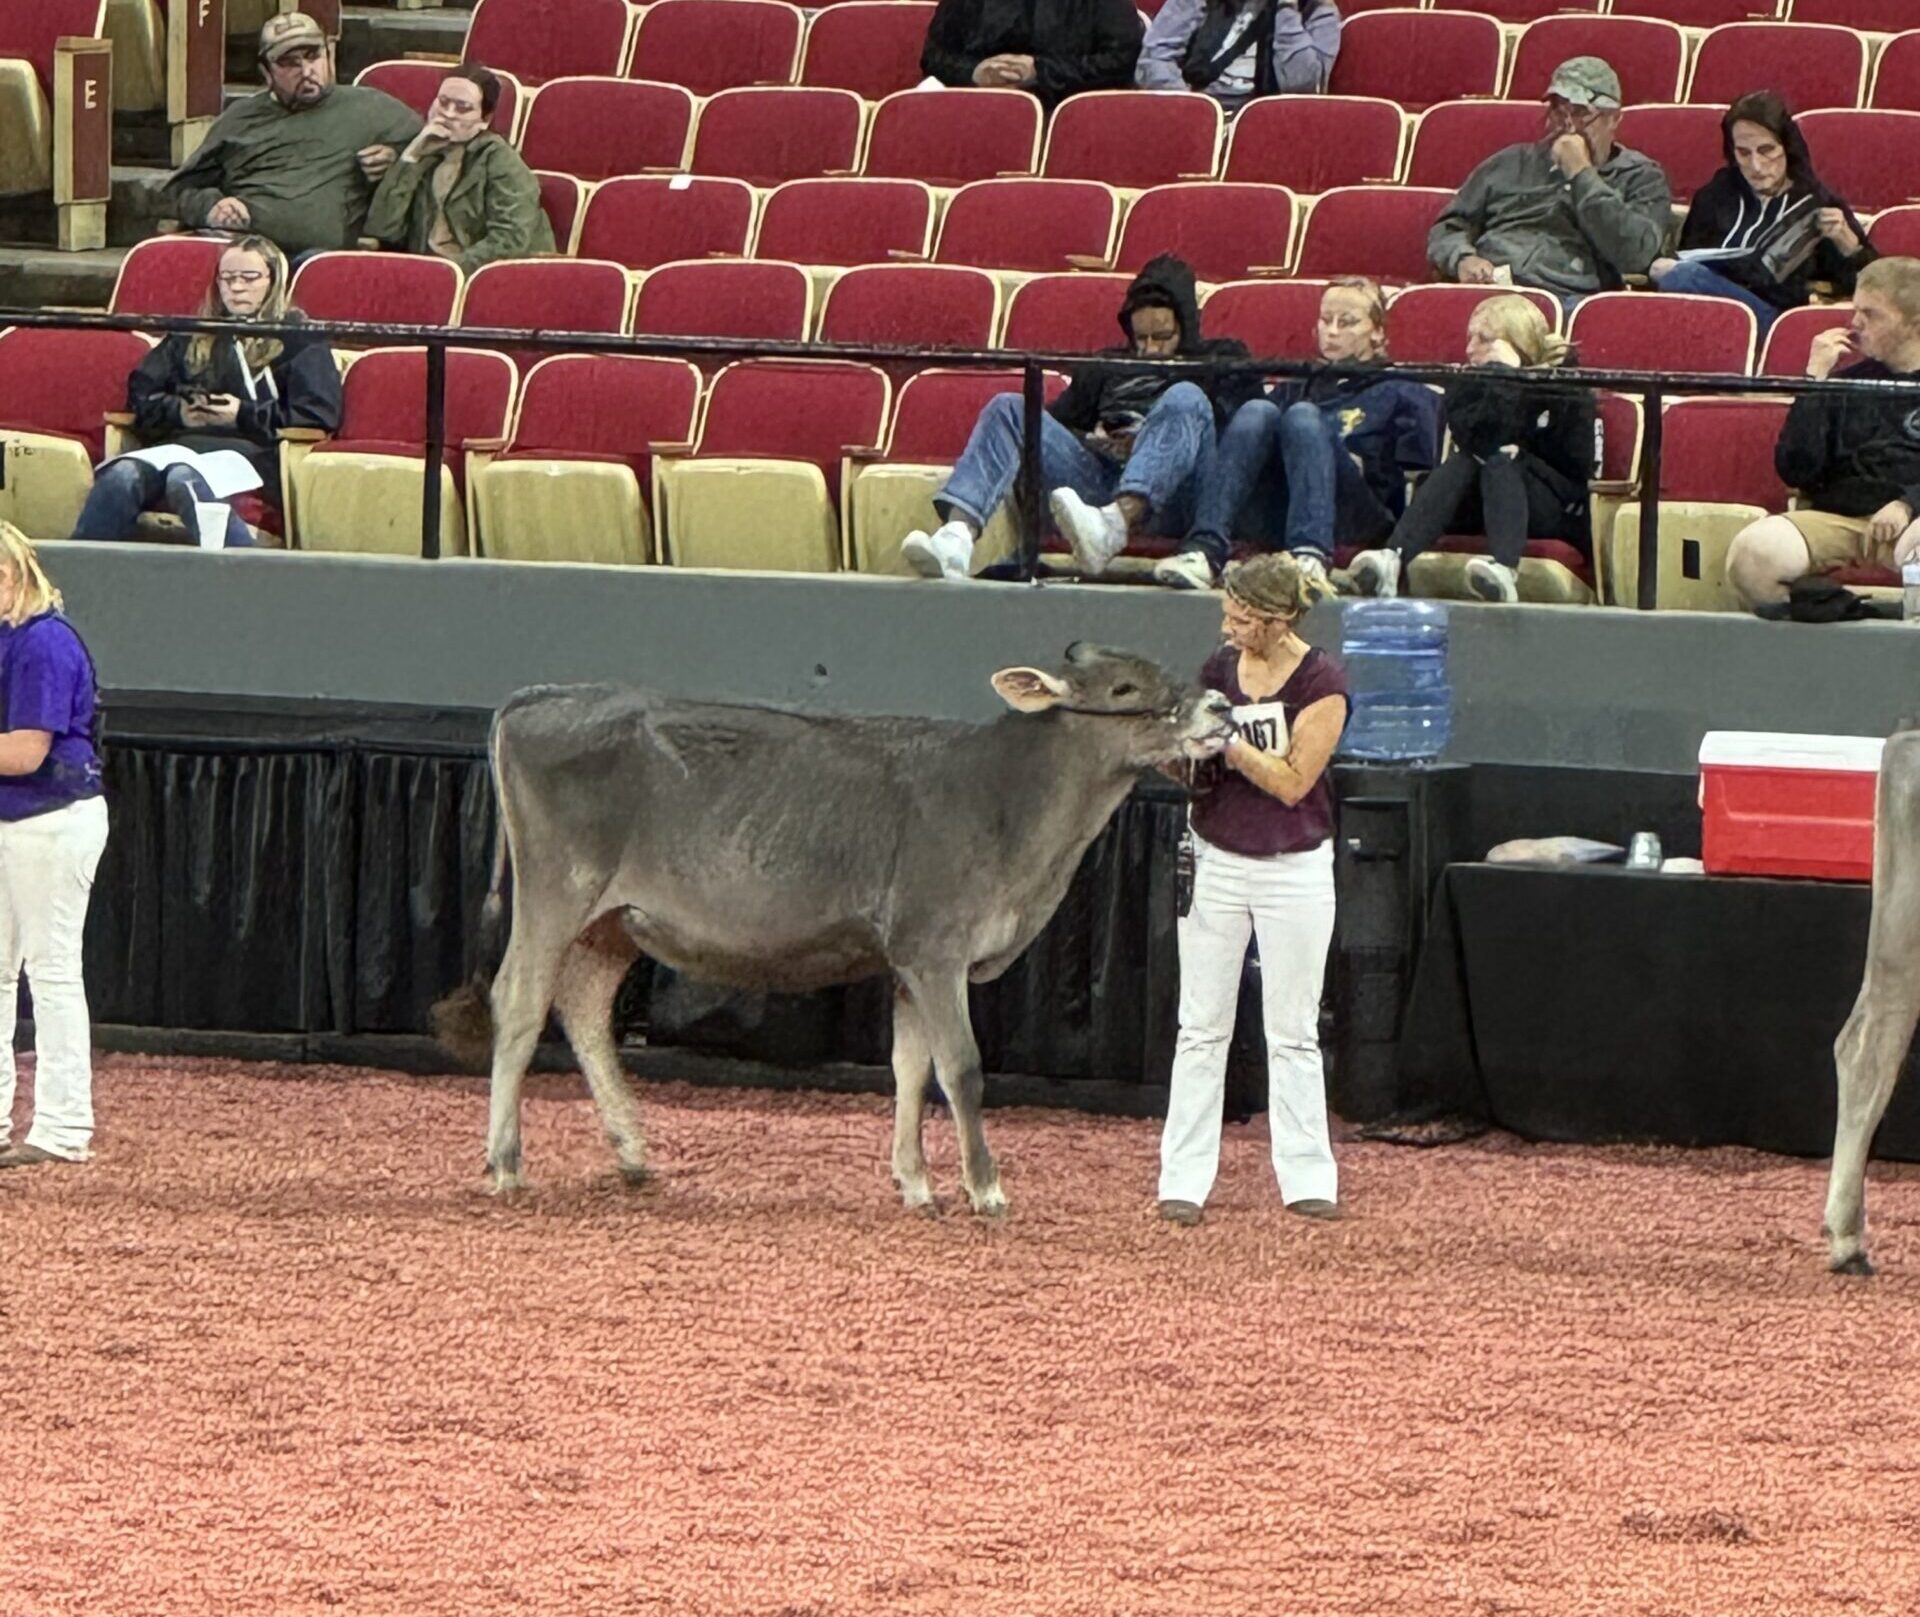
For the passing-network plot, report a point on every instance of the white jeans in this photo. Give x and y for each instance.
(1287, 901)
(46, 876)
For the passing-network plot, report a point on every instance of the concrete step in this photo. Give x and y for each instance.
(39, 278)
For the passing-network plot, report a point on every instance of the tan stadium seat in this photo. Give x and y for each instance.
(573, 482)
(56, 390)
(56, 117)
(761, 488)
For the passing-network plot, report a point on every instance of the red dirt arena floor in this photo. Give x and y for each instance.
(275, 1352)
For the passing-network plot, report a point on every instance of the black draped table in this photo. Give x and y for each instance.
(1598, 1003)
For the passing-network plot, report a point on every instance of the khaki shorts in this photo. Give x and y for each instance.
(1836, 541)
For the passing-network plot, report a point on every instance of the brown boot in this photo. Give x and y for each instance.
(1187, 1213)
(1315, 1207)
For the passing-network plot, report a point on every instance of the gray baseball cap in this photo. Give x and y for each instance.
(1586, 81)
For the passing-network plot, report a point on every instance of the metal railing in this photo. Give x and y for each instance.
(1652, 388)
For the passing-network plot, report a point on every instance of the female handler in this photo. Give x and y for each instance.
(1263, 832)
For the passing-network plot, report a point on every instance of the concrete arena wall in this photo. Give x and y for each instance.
(1537, 685)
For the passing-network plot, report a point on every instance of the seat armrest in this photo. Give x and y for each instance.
(1622, 486)
(118, 418)
(1089, 261)
(669, 451)
(484, 446)
(302, 435)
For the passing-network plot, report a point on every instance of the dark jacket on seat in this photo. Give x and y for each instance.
(1097, 392)
(1851, 455)
(1553, 427)
(1075, 44)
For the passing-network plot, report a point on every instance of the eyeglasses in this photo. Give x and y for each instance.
(242, 277)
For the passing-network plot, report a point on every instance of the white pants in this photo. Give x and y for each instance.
(46, 876)
(1287, 901)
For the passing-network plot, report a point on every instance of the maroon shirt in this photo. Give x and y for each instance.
(1231, 812)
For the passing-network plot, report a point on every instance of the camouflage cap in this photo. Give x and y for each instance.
(1586, 81)
(290, 30)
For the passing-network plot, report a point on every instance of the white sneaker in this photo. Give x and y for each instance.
(1184, 570)
(947, 552)
(1096, 533)
(1490, 581)
(1376, 573)
(1313, 570)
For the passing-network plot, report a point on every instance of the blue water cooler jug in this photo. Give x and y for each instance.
(1396, 657)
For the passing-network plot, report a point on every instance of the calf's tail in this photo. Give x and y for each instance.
(463, 1020)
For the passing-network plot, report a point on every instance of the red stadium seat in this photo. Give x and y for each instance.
(1427, 325)
(1066, 314)
(1646, 53)
(1876, 16)
(644, 222)
(388, 288)
(1683, 140)
(1790, 339)
(31, 33)
(1896, 75)
(1700, 13)
(360, 489)
(575, 480)
(1226, 232)
(1134, 138)
(953, 137)
(1811, 65)
(166, 275)
(56, 389)
(1668, 331)
(767, 136)
(562, 200)
(596, 128)
(1454, 138)
(871, 47)
(745, 298)
(1897, 232)
(1866, 156)
(1275, 319)
(1313, 143)
(918, 305)
(1517, 10)
(762, 487)
(537, 40)
(1377, 230)
(712, 45)
(417, 83)
(851, 221)
(1028, 224)
(547, 294)
(1418, 57)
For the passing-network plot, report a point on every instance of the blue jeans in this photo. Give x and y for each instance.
(1172, 459)
(128, 487)
(1709, 282)
(1287, 452)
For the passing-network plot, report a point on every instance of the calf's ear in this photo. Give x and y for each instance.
(1029, 690)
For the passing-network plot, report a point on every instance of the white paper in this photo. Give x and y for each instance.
(227, 471)
(930, 83)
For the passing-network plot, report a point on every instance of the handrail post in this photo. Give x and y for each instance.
(1033, 406)
(1647, 586)
(436, 450)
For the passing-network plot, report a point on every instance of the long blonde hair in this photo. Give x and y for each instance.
(36, 593)
(259, 351)
(1521, 323)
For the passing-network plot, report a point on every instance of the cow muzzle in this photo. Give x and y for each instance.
(1208, 727)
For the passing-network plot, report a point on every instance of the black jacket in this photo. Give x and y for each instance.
(1851, 455)
(1726, 213)
(1097, 391)
(299, 388)
(1552, 425)
(1075, 44)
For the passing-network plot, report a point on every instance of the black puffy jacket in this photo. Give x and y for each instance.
(1075, 44)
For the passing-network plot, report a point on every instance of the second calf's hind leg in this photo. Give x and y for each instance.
(590, 978)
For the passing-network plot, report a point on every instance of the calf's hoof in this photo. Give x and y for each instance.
(1854, 1263)
(636, 1175)
(991, 1202)
(506, 1181)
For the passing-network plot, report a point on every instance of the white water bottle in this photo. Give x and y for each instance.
(1910, 592)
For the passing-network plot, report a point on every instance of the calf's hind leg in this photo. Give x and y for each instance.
(1868, 1055)
(912, 1067)
(941, 999)
(591, 972)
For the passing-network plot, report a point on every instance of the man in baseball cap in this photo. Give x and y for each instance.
(1571, 213)
(298, 162)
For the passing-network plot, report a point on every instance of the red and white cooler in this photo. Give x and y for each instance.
(1788, 805)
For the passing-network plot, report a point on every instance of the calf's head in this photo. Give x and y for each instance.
(1155, 718)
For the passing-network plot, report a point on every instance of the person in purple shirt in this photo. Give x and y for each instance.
(1262, 829)
(53, 828)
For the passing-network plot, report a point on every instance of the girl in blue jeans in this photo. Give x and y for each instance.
(1333, 453)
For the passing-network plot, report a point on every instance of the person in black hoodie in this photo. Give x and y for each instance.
(1769, 223)
(1855, 458)
(1522, 455)
(1122, 449)
(1055, 48)
(203, 393)
(1333, 452)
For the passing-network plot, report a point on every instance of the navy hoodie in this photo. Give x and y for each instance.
(1390, 425)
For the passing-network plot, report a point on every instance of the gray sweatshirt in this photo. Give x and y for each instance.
(1578, 235)
(1303, 51)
